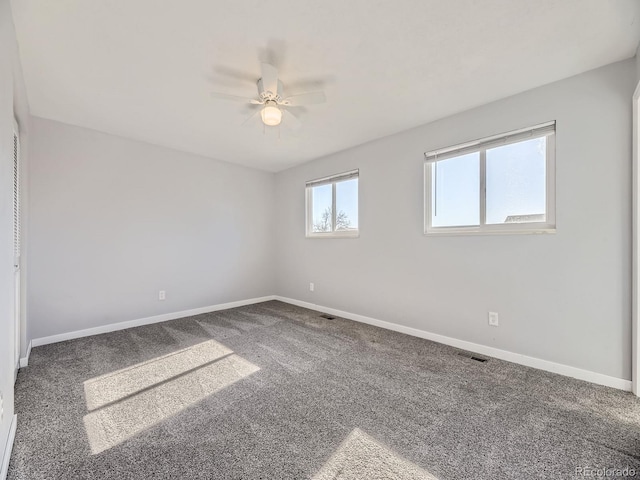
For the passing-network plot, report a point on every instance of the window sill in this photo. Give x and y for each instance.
(333, 235)
(456, 231)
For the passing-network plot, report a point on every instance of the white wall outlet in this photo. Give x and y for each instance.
(162, 295)
(311, 287)
(493, 319)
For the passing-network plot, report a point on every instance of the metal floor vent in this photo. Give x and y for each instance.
(327, 316)
(478, 359)
(473, 357)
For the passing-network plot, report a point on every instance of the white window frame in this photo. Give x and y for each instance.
(331, 180)
(481, 146)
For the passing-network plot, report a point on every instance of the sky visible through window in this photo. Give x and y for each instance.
(515, 181)
(456, 191)
(346, 201)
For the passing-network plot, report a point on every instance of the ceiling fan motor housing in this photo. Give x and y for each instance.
(275, 96)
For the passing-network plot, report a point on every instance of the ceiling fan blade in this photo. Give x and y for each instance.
(290, 120)
(311, 98)
(235, 98)
(269, 78)
(251, 117)
(310, 84)
(235, 74)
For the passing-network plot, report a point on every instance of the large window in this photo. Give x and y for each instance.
(332, 206)
(500, 184)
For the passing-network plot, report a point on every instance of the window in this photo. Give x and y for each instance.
(332, 206)
(501, 184)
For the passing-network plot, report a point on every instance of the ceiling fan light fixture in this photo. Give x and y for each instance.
(271, 103)
(271, 114)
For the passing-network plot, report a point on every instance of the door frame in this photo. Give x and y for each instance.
(635, 221)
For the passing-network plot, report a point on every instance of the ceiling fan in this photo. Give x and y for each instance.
(271, 103)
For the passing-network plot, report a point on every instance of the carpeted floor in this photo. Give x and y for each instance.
(273, 391)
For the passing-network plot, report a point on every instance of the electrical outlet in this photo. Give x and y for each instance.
(311, 287)
(493, 319)
(162, 295)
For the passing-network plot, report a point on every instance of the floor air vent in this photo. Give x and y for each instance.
(327, 316)
(473, 357)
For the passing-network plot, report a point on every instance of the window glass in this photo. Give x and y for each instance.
(347, 205)
(516, 182)
(322, 208)
(455, 191)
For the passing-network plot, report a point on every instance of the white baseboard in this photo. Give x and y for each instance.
(553, 367)
(8, 448)
(36, 342)
(24, 361)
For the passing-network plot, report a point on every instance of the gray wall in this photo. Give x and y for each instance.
(638, 63)
(563, 297)
(113, 221)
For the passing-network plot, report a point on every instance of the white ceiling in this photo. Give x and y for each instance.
(144, 69)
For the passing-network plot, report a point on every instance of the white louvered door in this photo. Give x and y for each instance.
(16, 241)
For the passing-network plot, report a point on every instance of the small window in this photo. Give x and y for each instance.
(332, 206)
(501, 184)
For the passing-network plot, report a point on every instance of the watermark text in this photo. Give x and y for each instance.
(604, 472)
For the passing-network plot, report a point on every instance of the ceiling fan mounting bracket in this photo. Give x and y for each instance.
(268, 95)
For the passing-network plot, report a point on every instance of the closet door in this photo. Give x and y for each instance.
(16, 241)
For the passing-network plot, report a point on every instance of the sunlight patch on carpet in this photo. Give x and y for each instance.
(117, 385)
(361, 456)
(126, 402)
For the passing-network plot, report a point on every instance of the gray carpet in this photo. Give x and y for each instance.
(273, 391)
